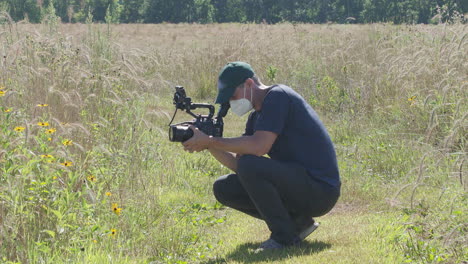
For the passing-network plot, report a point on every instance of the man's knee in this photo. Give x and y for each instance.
(220, 191)
(246, 165)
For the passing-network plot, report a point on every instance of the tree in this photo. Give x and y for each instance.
(258, 11)
(21, 9)
(113, 12)
(131, 11)
(175, 11)
(204, 11)
(375, 11)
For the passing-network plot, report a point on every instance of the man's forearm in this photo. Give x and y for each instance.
(228, 159)
(240, 145)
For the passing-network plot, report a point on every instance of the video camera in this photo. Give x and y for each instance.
(206, 123)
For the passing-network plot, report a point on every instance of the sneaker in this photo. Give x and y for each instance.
(268, 245)
(306, 229)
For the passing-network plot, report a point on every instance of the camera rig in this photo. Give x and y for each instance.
(181, 132)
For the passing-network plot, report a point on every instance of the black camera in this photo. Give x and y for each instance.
(206, 123)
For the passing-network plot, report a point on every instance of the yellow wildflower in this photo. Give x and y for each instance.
(94, 241)
(43, 124)
(67, 142)
(412, 100)
(113, 232)
(19, 128)
(8, 110)
(116, 209)
(108, 193)
(91, 178)
(50, 139)
(67, 163)
(2, 93)
(42, 105)
(54, 178)
(48, 158)
(50, 131)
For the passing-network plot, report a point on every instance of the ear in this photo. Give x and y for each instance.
(249, 82)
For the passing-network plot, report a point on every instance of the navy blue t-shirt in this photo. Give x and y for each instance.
(302, 138)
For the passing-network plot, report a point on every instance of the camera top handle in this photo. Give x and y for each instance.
(184, 103)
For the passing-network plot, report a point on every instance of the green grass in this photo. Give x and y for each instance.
(348, 235)
(392, 97)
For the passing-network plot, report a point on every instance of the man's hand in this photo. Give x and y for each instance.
(198, 142)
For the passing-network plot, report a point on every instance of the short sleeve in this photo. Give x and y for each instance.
(275, 111)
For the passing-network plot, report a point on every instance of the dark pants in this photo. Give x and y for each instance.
(275, 192)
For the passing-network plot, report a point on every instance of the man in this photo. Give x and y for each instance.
(299, 180)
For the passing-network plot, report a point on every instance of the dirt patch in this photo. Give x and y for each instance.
(346, 208)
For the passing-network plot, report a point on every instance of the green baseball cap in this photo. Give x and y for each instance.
(231, 76)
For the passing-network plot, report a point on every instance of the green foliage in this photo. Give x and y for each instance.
(132, 11)
(271, 73)
(30, 11)
(328, 95)
(49, 16)
(434, 234)
(113, 12)
(257, 11)
(204, 11)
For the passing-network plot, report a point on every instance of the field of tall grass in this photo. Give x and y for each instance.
(87, 173)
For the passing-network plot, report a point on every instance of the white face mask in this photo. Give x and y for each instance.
(241, 106)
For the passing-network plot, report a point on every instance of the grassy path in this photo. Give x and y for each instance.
(346, 235)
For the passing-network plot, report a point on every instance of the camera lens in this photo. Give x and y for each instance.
(180, 133)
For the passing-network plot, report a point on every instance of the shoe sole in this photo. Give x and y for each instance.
(308, 231)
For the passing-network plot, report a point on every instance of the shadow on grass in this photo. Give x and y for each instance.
(244, 253)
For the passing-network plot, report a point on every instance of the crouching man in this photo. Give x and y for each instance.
(299, 180)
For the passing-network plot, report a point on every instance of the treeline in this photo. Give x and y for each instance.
(219, 11)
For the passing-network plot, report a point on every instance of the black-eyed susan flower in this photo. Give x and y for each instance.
(42, 105)
(43, 124)
(108, 193)
(19, 128)
(67, 163)
(113, 232)
(116, 209)
(48, 158)
(92, 178)
(50, 131)
(67, 142)
(412, 99)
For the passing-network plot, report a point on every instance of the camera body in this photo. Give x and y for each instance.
(206, 123)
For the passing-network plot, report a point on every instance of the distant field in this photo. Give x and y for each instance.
(87, 173)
